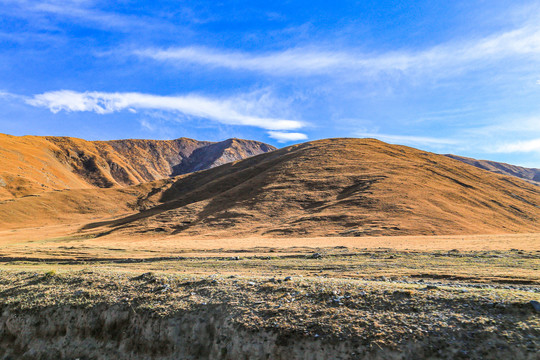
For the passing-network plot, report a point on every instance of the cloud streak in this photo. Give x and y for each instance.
(47, 14)
(406, 139)
(233, 111)
(456, 56)
(526, 146)
(283, 137)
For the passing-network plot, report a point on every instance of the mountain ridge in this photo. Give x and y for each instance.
(531, 175)
(33, 164)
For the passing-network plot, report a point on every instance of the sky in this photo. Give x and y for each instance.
(459, 77)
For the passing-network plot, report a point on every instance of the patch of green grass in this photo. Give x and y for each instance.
(50, 274)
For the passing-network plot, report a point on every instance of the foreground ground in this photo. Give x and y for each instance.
(422, 297)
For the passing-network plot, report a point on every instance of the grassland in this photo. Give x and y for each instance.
(447, 297)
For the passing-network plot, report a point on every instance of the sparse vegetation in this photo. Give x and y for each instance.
(372, 300)
(50, 274)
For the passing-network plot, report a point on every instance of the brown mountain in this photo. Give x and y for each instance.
(528, 174)
(345, 187)
(33, 164)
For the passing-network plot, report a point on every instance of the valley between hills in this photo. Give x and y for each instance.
(336, 248)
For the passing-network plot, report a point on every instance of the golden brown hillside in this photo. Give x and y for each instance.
(33, 164)
(343, 187)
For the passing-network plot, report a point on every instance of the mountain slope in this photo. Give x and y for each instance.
(347, 187)
(529, 174)
(32, 164)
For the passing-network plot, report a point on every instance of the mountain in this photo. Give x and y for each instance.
(32, 164)
(336, 187)
(529, 174)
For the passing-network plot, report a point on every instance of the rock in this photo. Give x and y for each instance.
(430, 287)
(536, 305)
(338, 299)
(162, 288)
(288, 278)
(315, 256)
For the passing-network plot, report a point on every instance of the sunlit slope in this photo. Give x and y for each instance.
(65, 207)
(32, 164)
(346, 187)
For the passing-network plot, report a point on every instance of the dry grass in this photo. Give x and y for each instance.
(334, 187)
(338, 187)
(380, 313)
(499, 267)
(450, 293)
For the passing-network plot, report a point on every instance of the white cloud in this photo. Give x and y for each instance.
(240, 110)
(8, 95)
(406, 139)
(455, 56)
(286, 62)
(282, 137)
(42, 13)
(519, 147)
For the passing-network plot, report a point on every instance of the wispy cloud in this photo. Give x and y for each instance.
(41, 13)
(10, 96)
(239, 110)
(283, 137)
(455, 56)
(510, 125)
(406, 139)
(519, 147)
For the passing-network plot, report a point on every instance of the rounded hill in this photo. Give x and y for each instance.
(343, 187)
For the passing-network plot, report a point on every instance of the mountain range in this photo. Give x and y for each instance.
(33, 164)
(332, 187)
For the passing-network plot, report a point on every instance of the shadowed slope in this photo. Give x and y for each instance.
(33, 164)
(529, 174)
(348, 187)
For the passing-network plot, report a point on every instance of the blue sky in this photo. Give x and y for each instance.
(457, 77)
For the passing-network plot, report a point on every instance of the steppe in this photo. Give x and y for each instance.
(335, 249)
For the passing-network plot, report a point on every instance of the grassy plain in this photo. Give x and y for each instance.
(467, 296)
